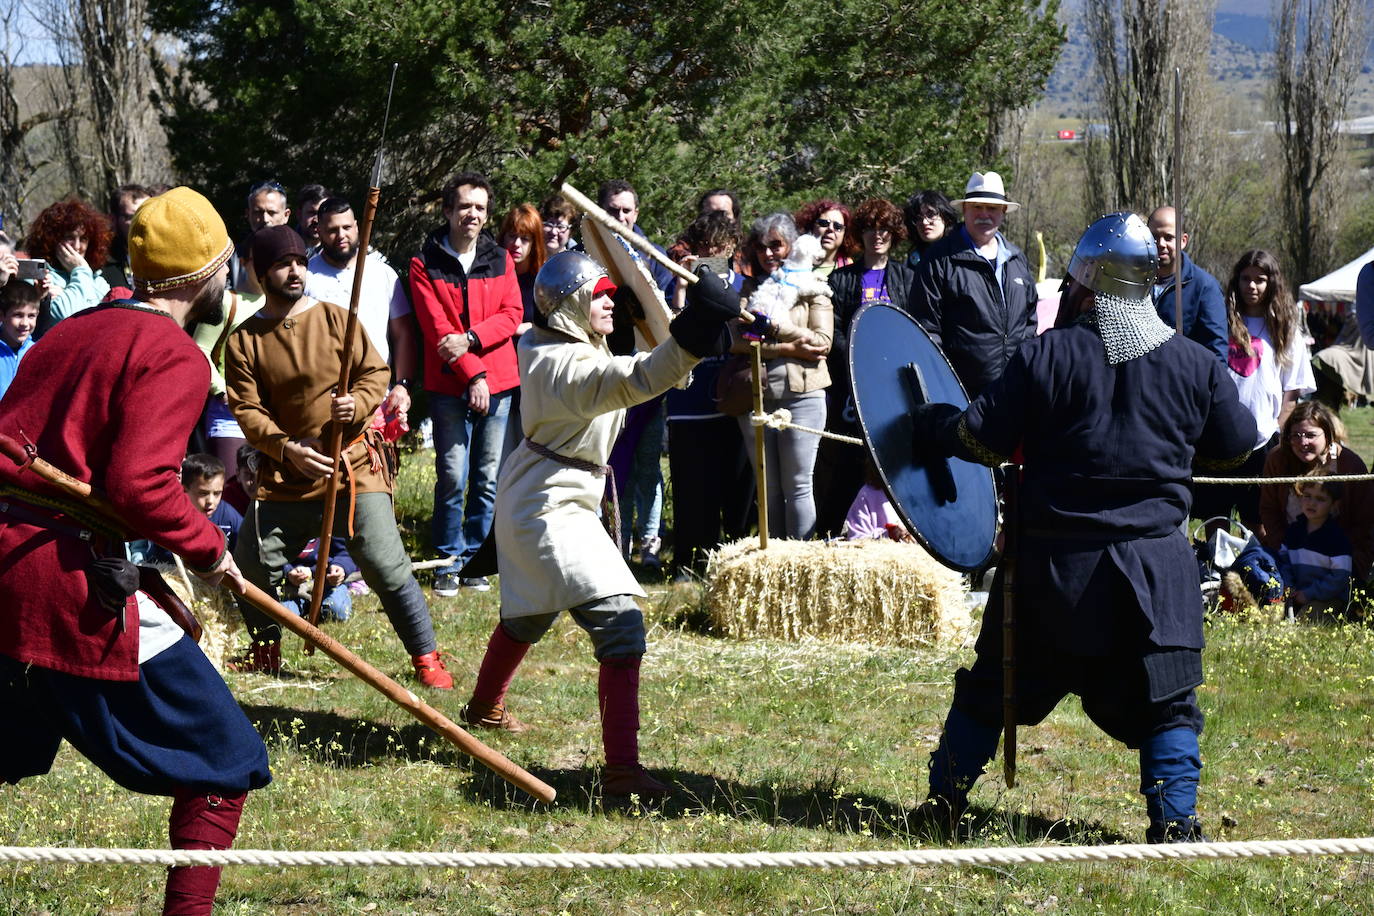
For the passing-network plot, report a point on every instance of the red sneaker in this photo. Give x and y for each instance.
(430, 671)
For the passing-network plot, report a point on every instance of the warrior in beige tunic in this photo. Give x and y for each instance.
(553, 549)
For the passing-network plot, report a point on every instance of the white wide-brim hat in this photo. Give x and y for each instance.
(987, 188)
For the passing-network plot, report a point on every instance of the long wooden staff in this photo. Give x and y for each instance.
(497, 762)
(331, 489)
(1011, 545)
(1178, 200)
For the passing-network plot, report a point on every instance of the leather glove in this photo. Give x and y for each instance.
(702, 328)
(930, 423)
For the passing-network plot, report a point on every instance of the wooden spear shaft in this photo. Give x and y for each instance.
(1178, 200)
(331, 489)
(497, 762)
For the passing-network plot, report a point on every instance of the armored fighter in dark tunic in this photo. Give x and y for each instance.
(1111, 412)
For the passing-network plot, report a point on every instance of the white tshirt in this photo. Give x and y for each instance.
(1261, 391)
(383, 295)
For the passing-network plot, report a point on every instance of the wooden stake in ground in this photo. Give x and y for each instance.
(760, 459)
(495, 761)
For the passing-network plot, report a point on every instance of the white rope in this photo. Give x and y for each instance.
(1309, 478)
(782, 419)
(694, 860)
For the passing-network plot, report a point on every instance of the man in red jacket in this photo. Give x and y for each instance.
(110, 396)
(468, 303)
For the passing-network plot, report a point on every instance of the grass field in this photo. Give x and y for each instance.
(772, 747)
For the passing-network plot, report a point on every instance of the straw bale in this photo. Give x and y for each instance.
(217, 612)
(875, 591)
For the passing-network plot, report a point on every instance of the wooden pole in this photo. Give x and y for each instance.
(498, 763)
(331, 488)
(1010, 546)
(1178, 200)
(760, 460)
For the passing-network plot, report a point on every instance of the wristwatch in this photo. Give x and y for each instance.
(407, 384)
(473, 342)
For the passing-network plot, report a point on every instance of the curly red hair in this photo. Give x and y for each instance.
(806, 217)
(59, 220)
(879, 213)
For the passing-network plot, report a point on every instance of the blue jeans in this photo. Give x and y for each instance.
(467, 457)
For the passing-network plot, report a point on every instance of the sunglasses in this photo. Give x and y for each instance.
(829, 224)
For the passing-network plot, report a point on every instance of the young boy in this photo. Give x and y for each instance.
(202, 477)
(18, 316)
(1315, 559)
(338, 600)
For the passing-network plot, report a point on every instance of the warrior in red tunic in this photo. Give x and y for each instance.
(110, 395)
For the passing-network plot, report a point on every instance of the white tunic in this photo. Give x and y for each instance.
(553, 550)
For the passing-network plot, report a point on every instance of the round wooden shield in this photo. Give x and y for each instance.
(627, 271)
(950, 505)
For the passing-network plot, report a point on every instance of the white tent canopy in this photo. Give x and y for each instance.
(1337, 286)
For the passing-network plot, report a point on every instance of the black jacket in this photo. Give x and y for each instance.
(977, 324)
(846, 292)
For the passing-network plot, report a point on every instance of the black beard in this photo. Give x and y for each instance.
(340, 260)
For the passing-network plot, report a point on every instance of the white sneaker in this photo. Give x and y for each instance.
(648, 552)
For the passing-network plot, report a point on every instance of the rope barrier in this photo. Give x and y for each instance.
(961, 857)
(782, 419)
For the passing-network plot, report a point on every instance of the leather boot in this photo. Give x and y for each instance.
(430, 671)
(491, 715)
(261, 657)
(631, 779)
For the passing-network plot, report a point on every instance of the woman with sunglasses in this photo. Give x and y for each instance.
(879, 275)
(559, 219)
(827, 219)
(795, 374)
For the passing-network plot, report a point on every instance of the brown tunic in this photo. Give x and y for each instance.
(280, 374)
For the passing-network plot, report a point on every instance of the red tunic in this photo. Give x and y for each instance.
(110, 396)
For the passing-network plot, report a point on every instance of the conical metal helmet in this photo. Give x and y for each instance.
(1117, 257)
(562, 274)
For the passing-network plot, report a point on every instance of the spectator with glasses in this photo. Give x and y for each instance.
(1314, 442)
(929, 217)
(827, 220)
(560, 222)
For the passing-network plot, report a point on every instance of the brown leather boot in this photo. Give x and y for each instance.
(430, 671)
(491, 715)
(261, 657)
(631, 779)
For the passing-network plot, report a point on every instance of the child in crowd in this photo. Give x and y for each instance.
(871, 515)
(202, 479)
(1315, 559)
(338, 601)
(18, 317)
(240, 491)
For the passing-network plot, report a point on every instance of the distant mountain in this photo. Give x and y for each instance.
(1240, 60)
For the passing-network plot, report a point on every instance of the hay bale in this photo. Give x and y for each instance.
(875, 591)
(217, 612)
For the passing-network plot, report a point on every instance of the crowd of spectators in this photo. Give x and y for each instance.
(450, 321)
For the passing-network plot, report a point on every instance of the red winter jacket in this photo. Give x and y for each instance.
(486, 301)
(110, 396)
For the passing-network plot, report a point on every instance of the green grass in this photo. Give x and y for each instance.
(773, 746)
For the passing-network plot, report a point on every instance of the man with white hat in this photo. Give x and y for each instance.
(974, 292)
(110, 396)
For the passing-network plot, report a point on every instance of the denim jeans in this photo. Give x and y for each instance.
(791, 459)
(467, 457)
